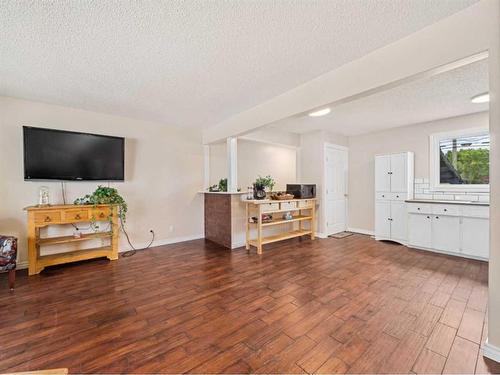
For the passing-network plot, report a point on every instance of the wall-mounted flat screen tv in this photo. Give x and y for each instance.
(51, 154)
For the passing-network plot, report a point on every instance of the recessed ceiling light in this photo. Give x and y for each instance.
(319, 113)
(481, 98)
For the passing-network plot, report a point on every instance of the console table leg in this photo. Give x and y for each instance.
(32, 246)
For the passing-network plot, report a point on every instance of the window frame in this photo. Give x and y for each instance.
(434, 168)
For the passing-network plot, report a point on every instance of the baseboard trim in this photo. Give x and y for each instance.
(166, 241)
(140, 246)
(361, 231)
(491, 351)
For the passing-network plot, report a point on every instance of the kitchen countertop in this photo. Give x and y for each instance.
(467, 203)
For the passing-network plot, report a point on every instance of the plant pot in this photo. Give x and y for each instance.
(259, 191)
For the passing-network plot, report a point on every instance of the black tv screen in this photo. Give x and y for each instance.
(62, 155)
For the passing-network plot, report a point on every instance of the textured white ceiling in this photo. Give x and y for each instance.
(442, 96)
(194, 62)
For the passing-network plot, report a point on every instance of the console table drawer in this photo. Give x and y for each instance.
(76, 215)
(101, 213)
(47, 217)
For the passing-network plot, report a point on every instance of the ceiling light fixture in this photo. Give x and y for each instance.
(319, 113)
(481, 98)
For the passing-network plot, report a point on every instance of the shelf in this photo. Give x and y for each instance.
(287, 210)
(281, 236)
(283, 221)
(69, 239)
(73, 256)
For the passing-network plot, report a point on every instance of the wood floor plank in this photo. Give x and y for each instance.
(429, 363)
(453, 312)
(471, 327)
(441, 339)
(462, 358)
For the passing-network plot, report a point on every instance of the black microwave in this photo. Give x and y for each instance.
(301, 191)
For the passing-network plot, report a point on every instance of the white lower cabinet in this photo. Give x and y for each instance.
(383, 219)
(446, 233)
(460, 230)
(398, 221)
(420, 230)
(475, 237)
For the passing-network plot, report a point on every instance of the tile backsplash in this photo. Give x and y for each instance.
(423, 191)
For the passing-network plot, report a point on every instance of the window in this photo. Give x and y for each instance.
(460, 160)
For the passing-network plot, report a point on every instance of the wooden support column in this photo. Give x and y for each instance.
(232, 164)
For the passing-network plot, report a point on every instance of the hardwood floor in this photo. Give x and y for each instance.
(325, 306)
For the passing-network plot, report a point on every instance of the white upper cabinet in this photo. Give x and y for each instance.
(382, 173)
(399, 173)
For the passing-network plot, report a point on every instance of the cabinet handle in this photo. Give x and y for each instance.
(445, 210)
(418, 208)
(383, 196)
(101, 215)
(428, 217)
(397, 196)
(47, 219)
(437, 217)
(77, 217)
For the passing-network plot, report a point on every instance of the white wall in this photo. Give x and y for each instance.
(255, 158)
(164, 171)
(363, 148)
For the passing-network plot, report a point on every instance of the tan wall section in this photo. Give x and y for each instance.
(363, 148)
(164, 171)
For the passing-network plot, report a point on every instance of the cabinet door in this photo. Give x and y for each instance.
(398, 221)
(446, 233)
(399, 173)
(382, 222)
(475, 237)
(382, 176)
(420, 230)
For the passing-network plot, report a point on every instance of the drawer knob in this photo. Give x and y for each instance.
(418, 208)
(397, 196)
(101, 215)
(383, 196)
(445, 210)
(77, 217)
(437, 217)
(428, 217)
(47, 219)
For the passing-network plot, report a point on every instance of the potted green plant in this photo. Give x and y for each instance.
(104, 195)
(261, 184)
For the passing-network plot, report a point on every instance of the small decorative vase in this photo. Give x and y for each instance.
(43, 196)
(259, 191)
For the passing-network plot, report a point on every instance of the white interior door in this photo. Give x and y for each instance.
(336, 166)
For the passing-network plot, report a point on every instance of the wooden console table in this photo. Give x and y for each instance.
(40, 217)
(303, 210)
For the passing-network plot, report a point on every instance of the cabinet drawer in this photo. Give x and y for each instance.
(446, 209)
(305, 203)
(76, 215)
(288, 205)
(265, 207)
(47, 217)
(101, 213)
(398, 196)
(383, 196)
(476, 211)
(420, 208)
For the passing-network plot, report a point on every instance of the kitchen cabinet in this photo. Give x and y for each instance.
(456, 229)
(393, 185)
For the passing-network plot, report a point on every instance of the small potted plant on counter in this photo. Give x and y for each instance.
(262, 184)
